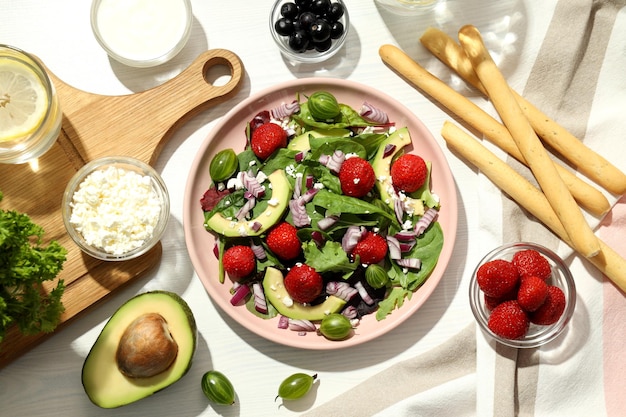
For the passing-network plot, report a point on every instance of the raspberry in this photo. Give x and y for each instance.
(239, 262)
(371, 249)
(529, 262)
(497, 277)
(357, 177)
(283, 241)
(303, 283)
(551, 309)
(408, 173)
(509, 320)
(267, 138)
(532, 293)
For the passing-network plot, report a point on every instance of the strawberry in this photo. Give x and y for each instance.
(497, 277)
(283, 241)
(509, 320)
(532, 293)
(408, 173)
(551, 309)
(492, 302)
(529, 262)
(357, 177)
(267, 138)
(303, 283)
(371, 249)
(239, 262)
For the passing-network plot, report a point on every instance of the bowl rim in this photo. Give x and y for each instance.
(142, 63)
(158, 185)
(548, 333)
(308, 57)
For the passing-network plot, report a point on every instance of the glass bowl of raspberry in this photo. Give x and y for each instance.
(309, 31)
(522, 295)
(116, 208)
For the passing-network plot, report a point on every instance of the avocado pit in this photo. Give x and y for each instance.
(146, 347)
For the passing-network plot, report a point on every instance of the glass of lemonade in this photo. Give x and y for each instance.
(407, 7)
(30, 114)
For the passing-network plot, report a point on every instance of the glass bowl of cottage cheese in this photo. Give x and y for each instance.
(116, 208)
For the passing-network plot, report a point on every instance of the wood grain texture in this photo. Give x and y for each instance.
(95, 126)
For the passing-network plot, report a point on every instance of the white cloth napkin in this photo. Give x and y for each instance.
(578, 79)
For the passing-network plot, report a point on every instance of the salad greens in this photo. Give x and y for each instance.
(321, 240)
(24, 265)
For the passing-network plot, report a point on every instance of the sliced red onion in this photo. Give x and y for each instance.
(301, 325)
(405, 236)
(283, 322)
(389, 148)
(310, 180)
(285, 110)
(261, 118)
(327, 222)
(373, 113)
(241, 291)
(252, 185)
(299, 157)
(394, 248)
(425, 221)
(260, 304)
(216, 249)
(308, 195)
(245, 209)
(352, 236)
(323, 159)
(259, 250)
(297, 187)
(398, 207)
(406, 246)
(412, 263)
(363, 293)
(341, 289)
(298, 211)
(317, 238)
(335, 161)
(256, 226)
(350, 312)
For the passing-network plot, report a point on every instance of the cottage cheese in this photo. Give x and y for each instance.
(115, 209)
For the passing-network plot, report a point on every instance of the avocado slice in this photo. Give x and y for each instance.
(276, 293)
(109, 386)
(281, 193)
(301, 142)
(382, 164)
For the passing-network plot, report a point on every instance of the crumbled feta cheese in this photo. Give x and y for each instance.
(272, 202)
(115, 209)
(287, 301)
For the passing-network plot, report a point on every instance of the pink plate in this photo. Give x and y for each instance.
(229, 132)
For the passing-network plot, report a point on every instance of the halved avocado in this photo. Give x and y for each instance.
(382, 163)
(168, 322)
(276, 293)
(281, 193)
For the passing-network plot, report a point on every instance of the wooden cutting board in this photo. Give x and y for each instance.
(94, 126)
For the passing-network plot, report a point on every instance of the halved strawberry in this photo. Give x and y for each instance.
(303, 283)
(267, 138)
(283, 241)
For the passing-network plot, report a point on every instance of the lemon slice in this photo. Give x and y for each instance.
(23, 100)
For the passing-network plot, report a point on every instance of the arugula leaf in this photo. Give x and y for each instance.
(25, 263)
(395, 299)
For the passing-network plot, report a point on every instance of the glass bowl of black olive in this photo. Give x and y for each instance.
(309, 31)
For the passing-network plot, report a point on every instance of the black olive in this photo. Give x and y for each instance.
(284, 26)
(320, 30)
(336, 30)
(289, 10)
(299, 41)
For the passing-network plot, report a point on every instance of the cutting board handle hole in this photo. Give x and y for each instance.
(218, 73)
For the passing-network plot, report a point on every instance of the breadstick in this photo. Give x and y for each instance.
(586, 195)
(609, 262)
(528, 143)
(587, 161)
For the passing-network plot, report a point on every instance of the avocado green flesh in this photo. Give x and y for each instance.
(301, 142)
(281, 193)
(104, 384)
(382, 164)
(276, 293)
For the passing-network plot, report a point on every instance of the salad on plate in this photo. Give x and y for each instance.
(325, 213)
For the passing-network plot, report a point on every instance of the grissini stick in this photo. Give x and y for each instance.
(528, 143)
(587, 161)
(607, 261)
(586, 195)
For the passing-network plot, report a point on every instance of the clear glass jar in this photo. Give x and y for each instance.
(23, 76)
(407, 7)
